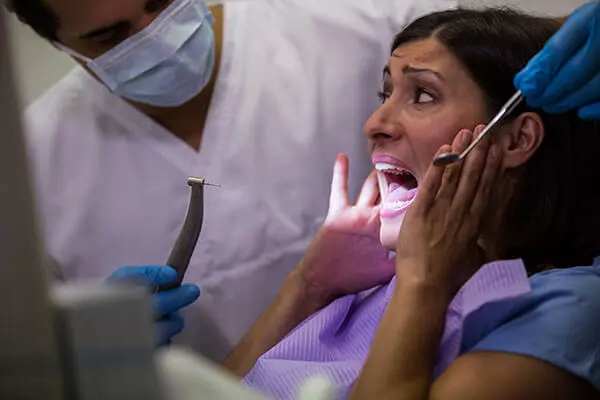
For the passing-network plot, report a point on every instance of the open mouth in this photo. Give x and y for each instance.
(398, 186)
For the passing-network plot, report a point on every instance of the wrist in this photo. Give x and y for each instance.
(311, 296)
(424, 292)
(421, 279)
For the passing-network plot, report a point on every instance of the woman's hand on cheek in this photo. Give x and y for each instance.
(346, 256)
(437, 245)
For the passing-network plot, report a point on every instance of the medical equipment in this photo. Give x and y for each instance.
(446, 159)
(77, 342)
(182, 252)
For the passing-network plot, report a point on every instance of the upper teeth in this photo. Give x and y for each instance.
(391, 169)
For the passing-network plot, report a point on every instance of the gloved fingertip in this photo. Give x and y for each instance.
(192, 291)
(589, 115)
(165, 303)
(528, 88)
(161, 275)
(590, 112)
(188, 294)
(519, 79)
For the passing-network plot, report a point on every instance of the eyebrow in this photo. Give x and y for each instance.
(121, 25)
(412, 70)
(407, 69)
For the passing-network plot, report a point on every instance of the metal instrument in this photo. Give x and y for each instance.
(446, 159)
(182, 252)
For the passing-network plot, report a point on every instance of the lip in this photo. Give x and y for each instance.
(389, 213)
(387, 159)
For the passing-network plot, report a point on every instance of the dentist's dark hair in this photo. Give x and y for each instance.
(553, 217)
(38, 15)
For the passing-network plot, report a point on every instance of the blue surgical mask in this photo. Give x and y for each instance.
(166, 64)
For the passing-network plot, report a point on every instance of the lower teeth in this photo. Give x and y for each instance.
(398, 204)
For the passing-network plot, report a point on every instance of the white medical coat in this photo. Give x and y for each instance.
(298, 80)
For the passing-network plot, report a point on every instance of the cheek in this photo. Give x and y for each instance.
(427, 143)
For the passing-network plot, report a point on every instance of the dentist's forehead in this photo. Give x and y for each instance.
(78, 17)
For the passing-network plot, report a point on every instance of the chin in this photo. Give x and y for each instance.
(389, 232)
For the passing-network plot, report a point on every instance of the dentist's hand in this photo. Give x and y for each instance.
(166, 304)
(565, 75)
(346, 256)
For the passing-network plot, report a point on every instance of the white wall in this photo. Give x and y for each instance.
(40, 65)
(548, 7)
(37, 63)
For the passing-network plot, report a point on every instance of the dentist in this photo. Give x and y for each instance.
(258, 97)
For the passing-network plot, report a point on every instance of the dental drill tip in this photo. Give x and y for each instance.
(446, 159)
(195, 181)
(200, 181)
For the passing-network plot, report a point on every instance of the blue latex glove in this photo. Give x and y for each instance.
(565, 75)
(166, 304)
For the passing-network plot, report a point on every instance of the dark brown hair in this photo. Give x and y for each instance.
(553, 216)
(37, 15)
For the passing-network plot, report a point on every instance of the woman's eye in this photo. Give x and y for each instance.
(423, 97)
(383, 96)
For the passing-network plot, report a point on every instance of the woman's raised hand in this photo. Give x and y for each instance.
(346, 256)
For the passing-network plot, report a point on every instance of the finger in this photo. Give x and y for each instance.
(486, 183)
(538, 73)
(472, 170)
(591, 112)
(338, 198)
(147, 275)
(369, 192)
(175, 299)
(587, 94)
(452, 172)
(428, 189)
(169, 326)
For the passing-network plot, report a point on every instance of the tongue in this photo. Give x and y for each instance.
(394, 186)
(397, 192)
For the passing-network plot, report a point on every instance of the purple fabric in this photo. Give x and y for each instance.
(335, 341)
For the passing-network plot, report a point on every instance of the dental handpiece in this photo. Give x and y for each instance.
(182, 252)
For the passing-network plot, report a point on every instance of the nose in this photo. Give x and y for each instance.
(383, 125)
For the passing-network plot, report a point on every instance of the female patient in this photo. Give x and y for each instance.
(479, 301)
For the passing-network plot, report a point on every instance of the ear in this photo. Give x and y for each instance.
(523, 137)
